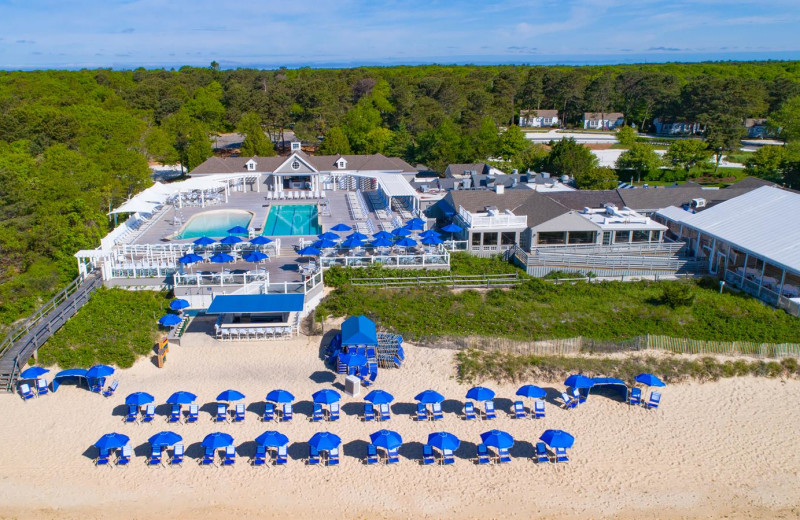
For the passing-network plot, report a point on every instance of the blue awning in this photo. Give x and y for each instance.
(608, 381)
(359, 330)
(256, 303)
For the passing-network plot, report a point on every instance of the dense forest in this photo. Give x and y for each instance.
(74, 144)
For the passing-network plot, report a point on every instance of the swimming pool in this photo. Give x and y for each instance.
(292, 219)
(215, 223)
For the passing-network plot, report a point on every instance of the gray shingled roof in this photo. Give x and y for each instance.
(376, 162)
(459, 169)
(587, 198)
(598, 116)
(539, 113)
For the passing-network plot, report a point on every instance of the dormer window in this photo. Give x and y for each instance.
(251, 165)
(341, 164)
(295, 164)
(295, 146)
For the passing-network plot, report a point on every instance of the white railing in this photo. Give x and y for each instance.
(421, 260)
(501, 220)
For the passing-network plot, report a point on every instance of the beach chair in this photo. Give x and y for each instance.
(174, 414)
(230, 456)
(654, 401)
(372, 454)
(155, 456)
(538, 409)
(239, 413)
(133, 414)
(102, 458)
(448, 457)
(194, 413)
(489, 412)
(287, 412)
(313, 456)
(369, 412)
(561, 455)
(427, 455)
(177, 455)
(422, 412)
(208, 457)
(503, 455)
(635, 396)
(282, 456)
(469, 411)
(437, 412)
(125, 454)
(111, 389)
(334, 412)
(25, 391)
(96, 385)
(41, 387)
(260, 459)
(222, 413)
(269, 412)
(317, 415)
(392, 456)
(149, 413)
(569, 402)
(483, 454)
(519, 410)
(541, 453)
(386, 413)
(576, 394)
(333, 457)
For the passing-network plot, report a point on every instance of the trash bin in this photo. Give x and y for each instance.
(352, 386)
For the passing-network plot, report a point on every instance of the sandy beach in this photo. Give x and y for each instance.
(726, 449)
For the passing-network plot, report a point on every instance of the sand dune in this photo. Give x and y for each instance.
(723, 449)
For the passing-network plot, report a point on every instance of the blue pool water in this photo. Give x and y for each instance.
(292, 219)
(215, 223)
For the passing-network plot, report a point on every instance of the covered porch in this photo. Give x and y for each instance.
(251, 317)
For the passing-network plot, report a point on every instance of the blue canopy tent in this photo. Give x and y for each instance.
(65, 376)
(612, 383)
(359, 330)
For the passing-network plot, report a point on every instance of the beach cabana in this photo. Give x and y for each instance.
(359, 331)
(610, 383)
(72, 374)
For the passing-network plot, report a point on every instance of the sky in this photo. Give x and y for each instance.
(127, 34)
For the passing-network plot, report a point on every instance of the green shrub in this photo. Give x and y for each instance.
(677, 295)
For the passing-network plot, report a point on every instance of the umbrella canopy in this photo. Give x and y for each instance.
(531, 391)
(168, 320)
(480, 393)
(381, 242)
(358, 236)
(272, 439)
(324, 243)
(99, 371)
(429, 397)
(255, 256)
(429, 233)
(111, 441)
(181, 397)
(383, 234)
(400, 232)
(324, 441)
(386, 439)
(217, 440)
(415, 223)
(190, 258)
(230, 240)
(260, 240)
(309, 251)
(352, 243)
(353, 360)
(204, 241)
(452, 228)
(341, 228)
(406, 242)
(221, 258)
(280, 396)
(139, 398)
(33, 372)
(557, 439)
(165, 438)
(326, 396)
(578, 381)
(328, 236)
(649, 380)
(444, 441)
(178, 304)
(238, 230)
(497, 438)
(379, 397)
(230, 395)
(431, 241)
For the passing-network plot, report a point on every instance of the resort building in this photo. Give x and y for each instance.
(538, 118)
(603, 120)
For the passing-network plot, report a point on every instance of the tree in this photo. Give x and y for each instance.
(378, 140)
(641, 159)
(626, 136)
(787, 119)
(335, 142)
(790, 168)
(567, 157)
(256, 141)
(485, 142)
(766, 162)
(359, 121)
(600, 178)
(512, 143)
(441, 146)
(677, 294)
(724, 135)
(206, 105)
(686, 153)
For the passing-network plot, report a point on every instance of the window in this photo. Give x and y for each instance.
(606, 238)
(641, 236)
(551, 237)
(581, 237)
(622, 237)
(296, 165)
(341, 164)
(251, 166)
(508, 238)
(476, 239)
(490, 239)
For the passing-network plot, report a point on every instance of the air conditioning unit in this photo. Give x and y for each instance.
(698, 203)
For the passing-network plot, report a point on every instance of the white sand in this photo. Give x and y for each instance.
(725, 449)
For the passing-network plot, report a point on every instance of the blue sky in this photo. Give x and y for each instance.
(150, 33)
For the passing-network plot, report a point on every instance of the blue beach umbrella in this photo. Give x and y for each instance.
(431, 241)
(497, 439)
(260, 240)
(324, 441)
(165, 438)
(400, 232)
(221, 258)
(111, 441)
(33, 372)
(452, 228)
(230, 240)
(649, 380)
(255, 256)
(326, 396)
(531, 392)
(309, 251)
(217, 440)
(238, 230)
(204, 241)
(381, 242)
(429, 233)
(379, 397)
(352, 243)
(358, 236)
(324, 243)
(415, 224)
(178, 304)
(579, 381)
(169, 320)
(429, 397)
(341, 228)
(181, 397)
(388, 439)
(383, 234)
(328, 236)
(272, 439)
(406, 242)
(190, 258)
(99, 371)
(480, 393)
(139, 398)
(230, 395)
(280, 396)
(444, 441)
(557, 439)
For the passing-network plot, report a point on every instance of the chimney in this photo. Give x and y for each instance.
(500, 189)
